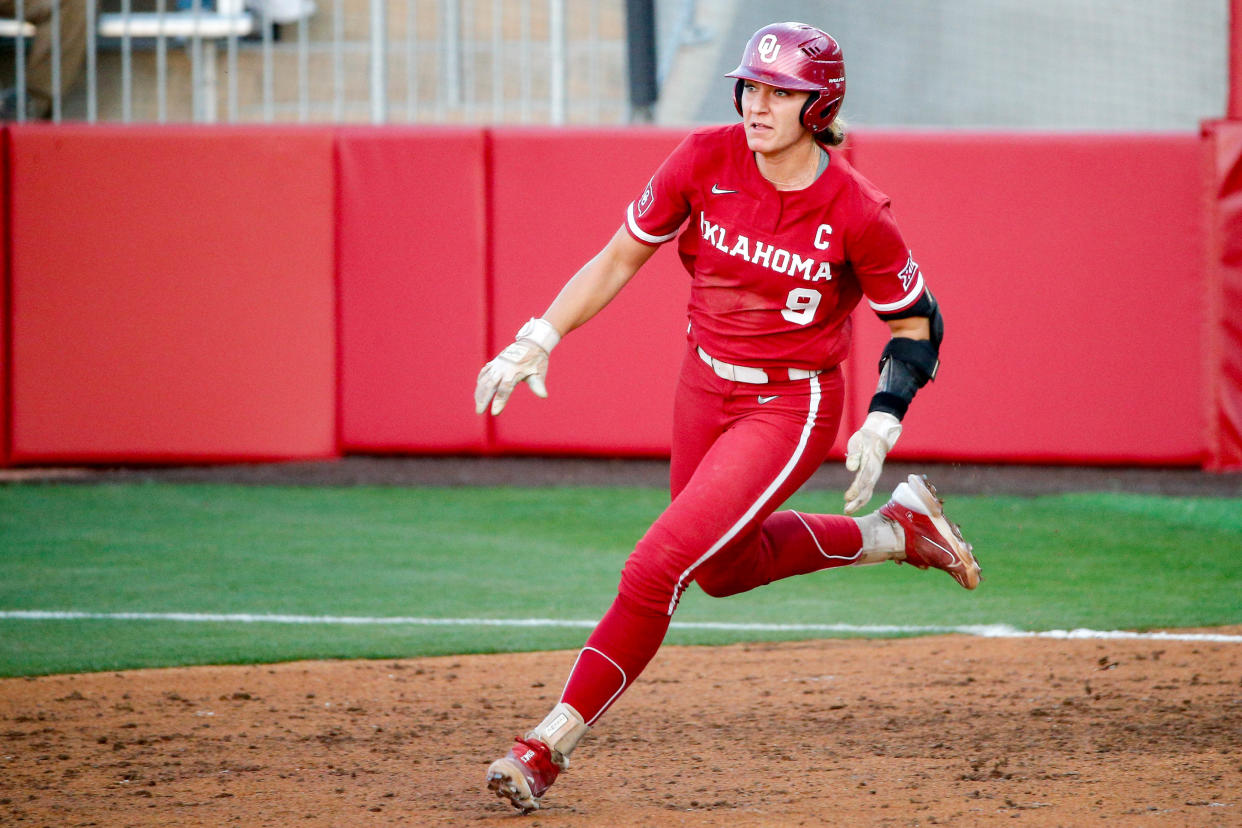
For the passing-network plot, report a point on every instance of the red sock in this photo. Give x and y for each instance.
(622, 644)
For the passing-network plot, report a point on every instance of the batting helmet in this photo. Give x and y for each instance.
(796, 56)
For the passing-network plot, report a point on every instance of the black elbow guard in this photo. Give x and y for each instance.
(905, 366)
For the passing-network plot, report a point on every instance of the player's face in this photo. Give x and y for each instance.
(772, 117)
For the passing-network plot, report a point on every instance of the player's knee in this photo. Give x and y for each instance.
(736, 567)
(717, 584)
(651, 574)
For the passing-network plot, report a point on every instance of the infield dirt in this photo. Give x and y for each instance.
(950, 730)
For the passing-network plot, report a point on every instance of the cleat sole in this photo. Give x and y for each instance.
(506, 788)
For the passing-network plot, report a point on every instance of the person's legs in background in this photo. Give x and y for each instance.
(41, 57)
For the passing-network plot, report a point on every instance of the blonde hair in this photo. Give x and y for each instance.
(834, 135)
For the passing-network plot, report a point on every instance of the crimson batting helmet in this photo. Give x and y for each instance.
(796, 56)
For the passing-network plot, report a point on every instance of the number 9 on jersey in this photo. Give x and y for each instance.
(800, 305)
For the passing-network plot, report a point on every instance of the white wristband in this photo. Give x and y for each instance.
(541, 332)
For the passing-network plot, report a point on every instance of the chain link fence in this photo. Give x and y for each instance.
(337, 61)
(1079, 64)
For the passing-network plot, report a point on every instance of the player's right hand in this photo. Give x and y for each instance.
(864, 455)
(524, 360)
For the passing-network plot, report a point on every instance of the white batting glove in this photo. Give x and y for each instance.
(865, 453)
(526, 359)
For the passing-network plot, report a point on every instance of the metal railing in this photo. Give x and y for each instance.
(376, 61)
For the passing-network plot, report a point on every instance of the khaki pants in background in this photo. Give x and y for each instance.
(39, 56)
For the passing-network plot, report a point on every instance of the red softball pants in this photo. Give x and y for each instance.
(739, 451)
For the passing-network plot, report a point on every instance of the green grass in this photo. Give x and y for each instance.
(1103, 561)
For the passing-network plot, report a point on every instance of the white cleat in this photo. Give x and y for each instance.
(932, 540)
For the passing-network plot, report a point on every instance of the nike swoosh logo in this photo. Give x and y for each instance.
(763, 400)
(956, 560)
(717, 191)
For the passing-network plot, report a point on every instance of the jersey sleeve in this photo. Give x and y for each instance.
(656, 215)
(890, 278)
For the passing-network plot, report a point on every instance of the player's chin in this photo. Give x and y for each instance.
(759, 139)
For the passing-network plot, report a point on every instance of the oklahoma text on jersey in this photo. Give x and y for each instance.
(768, 255)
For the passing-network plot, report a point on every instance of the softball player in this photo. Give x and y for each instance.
(782, 239)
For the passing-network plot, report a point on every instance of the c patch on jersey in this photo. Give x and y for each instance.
(644, 203)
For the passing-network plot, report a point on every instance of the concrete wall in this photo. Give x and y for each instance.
(1078, 64)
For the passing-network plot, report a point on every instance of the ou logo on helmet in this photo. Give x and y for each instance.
(769, 47)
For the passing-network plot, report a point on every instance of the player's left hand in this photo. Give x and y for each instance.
(526, 359)
(865, 453)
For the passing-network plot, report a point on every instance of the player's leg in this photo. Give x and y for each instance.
(720, 531)
(740, 478)
(730, 468)
(785, 543)
(760, 449)
(911, 528)
(796, 543)
(751, 467)
(700, 415)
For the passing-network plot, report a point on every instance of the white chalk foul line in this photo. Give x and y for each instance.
(981, 630)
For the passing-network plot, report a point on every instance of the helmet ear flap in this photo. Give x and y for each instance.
(737, 95)
(806, 108)
(819, 112)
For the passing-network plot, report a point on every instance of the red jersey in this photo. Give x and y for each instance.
(774, 274)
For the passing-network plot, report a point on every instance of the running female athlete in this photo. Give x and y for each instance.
(782, 239)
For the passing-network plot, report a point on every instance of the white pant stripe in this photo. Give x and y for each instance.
(853, 557)
(624, 681)
(772, 488)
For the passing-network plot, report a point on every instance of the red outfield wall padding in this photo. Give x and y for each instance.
(412, 213)
(4, 297)
(1223, 151)
(558, 196)
(172, 294)
(1068, 270)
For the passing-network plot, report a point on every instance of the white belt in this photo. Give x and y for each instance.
(755, 376)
